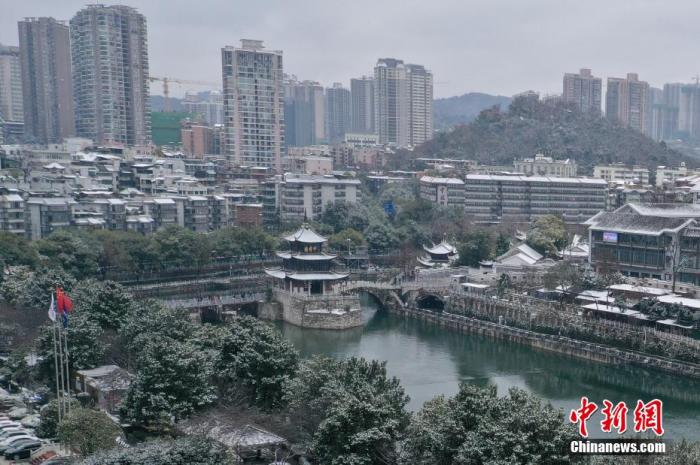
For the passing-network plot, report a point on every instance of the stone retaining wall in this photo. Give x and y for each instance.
(558, 344)
(321, 312)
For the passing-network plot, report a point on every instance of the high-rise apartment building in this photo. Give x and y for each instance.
(46, 76)
(362, 105)
(676, 112)
(420, 101)
(304, 113)
(253, 104)
(209, 106)
(627, 101)
(110, 75)
(391, 104)
(10, 84)
(337, 112)
(403, 103)
(583, 89)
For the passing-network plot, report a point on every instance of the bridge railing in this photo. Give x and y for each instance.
(213, 301)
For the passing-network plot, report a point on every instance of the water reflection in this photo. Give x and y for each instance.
(432, 361)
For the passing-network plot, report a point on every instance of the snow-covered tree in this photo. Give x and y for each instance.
(255, 363)
(349, 410)
(478, 427)
(173, 379)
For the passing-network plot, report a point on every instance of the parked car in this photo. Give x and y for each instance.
(23, 450)
(12, 442)
(14, 433)
(11, 424)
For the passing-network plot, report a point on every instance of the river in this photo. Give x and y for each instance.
(431, 361)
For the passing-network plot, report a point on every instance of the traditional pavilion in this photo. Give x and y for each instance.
(440, 255)
(306, 269)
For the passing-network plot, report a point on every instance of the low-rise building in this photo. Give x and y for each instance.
(309, 164)
(622, 172)
(448, 192)
(248, 215)
(541, 165)
(522, 199)
(106, 385)
(648, 241)
(12, 213)
(46, 215)
(307, 196)
(667, 176)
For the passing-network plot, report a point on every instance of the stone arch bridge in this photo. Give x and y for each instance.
(424, 294)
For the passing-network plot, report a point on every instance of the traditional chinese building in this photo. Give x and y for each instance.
(306, 269)
(307, 288)
(440, 255)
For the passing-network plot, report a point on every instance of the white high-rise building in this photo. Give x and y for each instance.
(403, 103)
(420, 95)
(109, 50)
(10, 84)
(253, 105)
(627, 101)
(583, 89)
(391, 104)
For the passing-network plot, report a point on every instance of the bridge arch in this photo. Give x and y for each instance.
(429, 301)
(385, 295)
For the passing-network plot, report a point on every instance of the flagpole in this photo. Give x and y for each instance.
(65, 340)
(60, 364)
(55, 363)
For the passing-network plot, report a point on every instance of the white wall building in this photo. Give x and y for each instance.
(253, 105)
(620, 172)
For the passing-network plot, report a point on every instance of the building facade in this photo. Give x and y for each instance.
(521, 199)
(362, 106)
(648, 241)
(583, 89)
(391, 103)
(627, 101)
(448, 192)
(307, 196)
(420, 110)
(253, 105)
(337, 112)
(11, 108)
(47, 82)
(304, 113)
(542, 165)
(109, 50)
(197, 139)
(208, 106)
(619, 172)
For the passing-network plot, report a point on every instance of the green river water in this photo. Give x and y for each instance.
(430, 361)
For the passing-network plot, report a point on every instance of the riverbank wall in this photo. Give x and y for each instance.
(552, 343)
(330, 311)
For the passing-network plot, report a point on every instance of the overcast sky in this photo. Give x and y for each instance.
(494, 46)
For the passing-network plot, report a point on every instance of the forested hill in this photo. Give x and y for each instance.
(498, 136)
(449, 112)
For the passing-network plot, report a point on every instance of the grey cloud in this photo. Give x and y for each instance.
(496, 46)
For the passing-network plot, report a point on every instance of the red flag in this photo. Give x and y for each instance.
(64, 303)
(59, 300)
